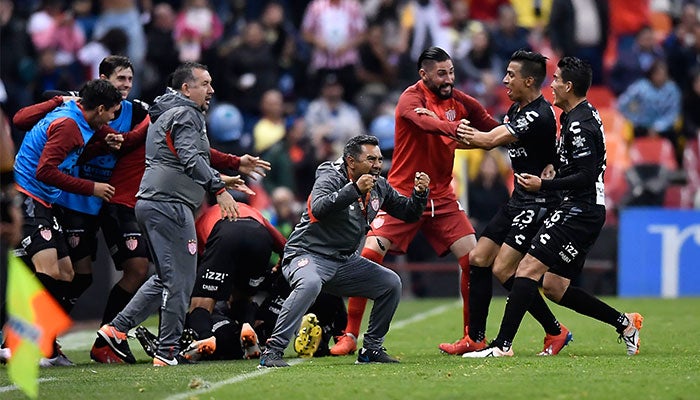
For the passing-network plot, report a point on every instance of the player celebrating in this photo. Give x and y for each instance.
(423, 142)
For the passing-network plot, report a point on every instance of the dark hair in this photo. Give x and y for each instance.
(354, 146)
(532, 64)
(578, 72)
(116, 41)
(432, 55)
(655, 66)
(111, 63)
(183, 74)
(99, 92)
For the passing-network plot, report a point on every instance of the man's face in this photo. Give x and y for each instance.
(514, 82)
(122, 79)
(560, 89)
(200, 90)
(104, 116)
(439, 77)
(368, 162)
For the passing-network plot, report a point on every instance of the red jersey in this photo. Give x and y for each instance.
(423, 143)
(205, 223)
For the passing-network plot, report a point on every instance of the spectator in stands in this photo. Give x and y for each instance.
(329, 117)
(17, 64)
(479, 71)
(376, 72)
(270, 128)
(162, 53)
(507, 36)
(632, 64)
(580, 28)
(691, 105)
(197, 28)
(653, 104)
(678, 43)
(335, 29)
(488, 192)
(114, 42)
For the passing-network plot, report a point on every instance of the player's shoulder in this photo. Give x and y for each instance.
(140, 104)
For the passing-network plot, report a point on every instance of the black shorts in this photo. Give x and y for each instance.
(228, 338)
(566, 237)
(80, 230)
(237, 254)
(516, 226)
(122, 233)
(40, 231)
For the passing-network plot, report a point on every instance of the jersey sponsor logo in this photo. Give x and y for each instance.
(255, 282)
(214, 275)
(73, 241)
(210, 288)
(378, 222)
(131, 243)
(192, 246)
(375, 204)
(46, 233)
(517, 152)
(451, 115)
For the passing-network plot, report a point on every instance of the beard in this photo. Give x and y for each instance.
(438, 91)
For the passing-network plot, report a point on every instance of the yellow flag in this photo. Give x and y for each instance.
(34, 321)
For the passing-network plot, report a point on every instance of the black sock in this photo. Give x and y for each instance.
(508, 284)
(541, 312)
(52, 286)
(199, 320)
(586, 304)
(480, 294)
(519, 300)
(117, 300)
(78, 286)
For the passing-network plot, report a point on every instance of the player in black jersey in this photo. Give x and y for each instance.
(529, 132)
(559, 248)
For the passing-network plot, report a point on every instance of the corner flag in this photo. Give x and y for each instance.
(34, 321)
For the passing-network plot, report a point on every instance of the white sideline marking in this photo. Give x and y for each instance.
(240, 378)
(10, 388)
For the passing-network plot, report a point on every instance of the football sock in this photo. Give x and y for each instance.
(199, 320)
(78, 286)
(117, 300)
(586, 304)
(524, 290)
(539, 310)
(480, 294)
(508, 284)
(464, 289)
(53, 286)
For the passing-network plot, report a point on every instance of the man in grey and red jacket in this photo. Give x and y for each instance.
(322, 251)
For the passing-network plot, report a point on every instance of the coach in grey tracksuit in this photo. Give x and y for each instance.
(321, 253)
(177, 175)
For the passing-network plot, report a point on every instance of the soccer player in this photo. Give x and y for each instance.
(51, 147)
(529, 133)
(235, 260)
(321, 253)
(423, 142)
(559, 248)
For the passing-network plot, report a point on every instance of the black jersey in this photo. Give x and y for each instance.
(582, 156)
(535, 127)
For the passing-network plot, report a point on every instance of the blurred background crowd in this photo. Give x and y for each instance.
(295, 78)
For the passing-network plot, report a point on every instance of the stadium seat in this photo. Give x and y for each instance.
(653, 150)
(601, 97)
(615, 124)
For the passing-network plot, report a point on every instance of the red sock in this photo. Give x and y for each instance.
(464, 288)
(356, 305)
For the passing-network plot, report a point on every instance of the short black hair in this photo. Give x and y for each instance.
(354, 146)
(432, 55)
(578, 72)
(99, 92)
(532, 64)
(183, 74)
(110, 64)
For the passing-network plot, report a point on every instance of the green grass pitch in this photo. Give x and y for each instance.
(593, 366)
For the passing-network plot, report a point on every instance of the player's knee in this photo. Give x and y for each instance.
(309, 284)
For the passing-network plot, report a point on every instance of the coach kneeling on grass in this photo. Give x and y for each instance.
(321, 253)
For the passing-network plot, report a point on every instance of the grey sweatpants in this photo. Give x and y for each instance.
(308, 274)
(172, 240)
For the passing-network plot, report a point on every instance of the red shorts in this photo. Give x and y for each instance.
(442, 225)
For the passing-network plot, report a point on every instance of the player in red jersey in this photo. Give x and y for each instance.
(427, 117)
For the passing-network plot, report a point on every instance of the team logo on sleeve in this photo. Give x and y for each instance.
(192, 246)
(375, 204)
(131, 243)
(378, 222)
(46, 233)
(451, 115)
(302, 262)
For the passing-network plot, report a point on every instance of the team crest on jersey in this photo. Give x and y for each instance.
(46, 233)
(451, 115)
(579, 141)
(192, 246)
(375, 204)
(506, 119)
(73, 241)
(303, 262)
(131, 243)
(378, 222)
